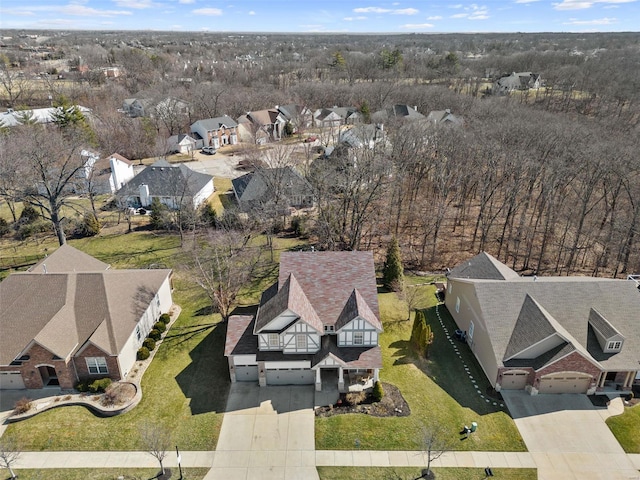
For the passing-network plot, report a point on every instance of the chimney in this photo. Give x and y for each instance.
(145, 199)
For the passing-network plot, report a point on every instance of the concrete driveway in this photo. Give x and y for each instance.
(267, 433)
(568, 437)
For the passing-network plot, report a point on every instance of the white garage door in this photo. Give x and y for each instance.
(290, 376)
(514, 380)
(246, 373)
(565, 382)
(11, 381)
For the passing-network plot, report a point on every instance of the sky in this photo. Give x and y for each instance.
(346, 16)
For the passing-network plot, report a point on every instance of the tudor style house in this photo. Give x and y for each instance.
(71, 318)
(318, 322)
(547, 334)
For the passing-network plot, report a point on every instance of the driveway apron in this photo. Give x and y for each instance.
(568, 438)
(267, 433)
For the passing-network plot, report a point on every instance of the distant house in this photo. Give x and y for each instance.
(172, 185)
(444, 117)
(335, 116)
(546, 334)
(283, 187)
(71, 318)
(215, 132)
(402, 112)
(361, 136)
(111, 173)
(137, 107)
(182, 143)
(12, 118)
(298, 116)
(319, 323)
(516, 81)
(261, 126)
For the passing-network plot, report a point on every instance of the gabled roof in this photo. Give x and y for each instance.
(602, 325)
(68, 259)
(361, 135)
(289, 297)
(64, 311)
(399, 111)
(444, 116)
(264, 117)
(213, 124)
(483, 266)
(261, 185)
(348, 357)
(532, 326)
(329, 278)
(166, 180)
(117, 156)
(354, 308)
(291, 111)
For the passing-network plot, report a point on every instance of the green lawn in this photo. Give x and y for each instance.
(626, 428)
(437, 389)
(104, 473)
(410, 473)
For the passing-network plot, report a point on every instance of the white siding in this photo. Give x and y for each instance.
(292, 364)
(263, 342)
(289, 338)
(203, 194)
(345, 334)
(244, 360)
(281, 321)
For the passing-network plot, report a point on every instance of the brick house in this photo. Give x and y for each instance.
(71, 318)
(215, 132)
(318, 323)
(547, 334)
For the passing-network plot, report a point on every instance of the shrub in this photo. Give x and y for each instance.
(115, 394)
(160, 326)
(378, 392)
(26, 230)
(356, 398)
(4, 227)
(392, 274)
(28, 215)
(209, 216)
(155, 334)
(165, 318)
(82, 387)
(143, 353)
(149, 344)
(22, 406)
(88, 226)
(299, 226)
(100, 385)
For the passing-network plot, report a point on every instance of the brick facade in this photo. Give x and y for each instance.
(93, 351)
(41, 357)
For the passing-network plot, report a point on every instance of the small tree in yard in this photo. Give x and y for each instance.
(436, 442)
(9, 454)
(156, 440)
(421, 334)
(392, 274)
(378, 392)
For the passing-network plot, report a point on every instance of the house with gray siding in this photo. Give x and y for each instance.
(318, 323)
(547, 334)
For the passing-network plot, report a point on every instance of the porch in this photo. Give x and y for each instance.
(615, 382)
(345, 380)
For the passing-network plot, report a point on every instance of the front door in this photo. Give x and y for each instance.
(49, 376)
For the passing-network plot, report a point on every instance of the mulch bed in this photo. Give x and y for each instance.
(392, 404)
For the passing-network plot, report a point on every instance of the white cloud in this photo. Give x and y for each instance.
(138, 4)
(75, 9)
(397, 11)
(584, 4)
(435, 17)
(214, 12)
(599, 21)
(252, 12)
(417, 26)
(186, 2)
(351, 19)
(473, 12)
(526, 1)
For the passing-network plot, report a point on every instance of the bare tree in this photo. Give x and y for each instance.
(436, 442)
(157, 440)
(9, 454)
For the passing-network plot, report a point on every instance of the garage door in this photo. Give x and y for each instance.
(11, 381)
(246, 373)
(564, 383)
(514, 380)
(290, 376)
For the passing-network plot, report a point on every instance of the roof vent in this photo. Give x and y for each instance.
(44, 268)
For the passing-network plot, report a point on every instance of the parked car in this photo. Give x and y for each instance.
(209, 150)
(310, 139)
(249, 164)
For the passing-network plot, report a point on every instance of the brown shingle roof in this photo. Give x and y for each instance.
(68, 259)
(349, 357)
(357, 307)
(240, 338)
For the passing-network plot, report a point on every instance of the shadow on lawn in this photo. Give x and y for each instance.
(205, 381)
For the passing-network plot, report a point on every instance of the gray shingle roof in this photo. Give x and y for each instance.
(349, 357)
(68, 259)
(261, 186)
(483, 266)
(532, 326)
(214, 124)
(597, 321)
(166, 180)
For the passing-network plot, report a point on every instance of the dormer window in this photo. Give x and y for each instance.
(614, 346)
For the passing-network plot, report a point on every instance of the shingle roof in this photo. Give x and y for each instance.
(357, 307)
(121, 158)
(261, 185)
(483, 266)
(349, 357)
(68, 259)
(63, 311)
(166, 180)
(213, 124)
(532, 326)
(597, 321)
(329, 278)
(240, 338)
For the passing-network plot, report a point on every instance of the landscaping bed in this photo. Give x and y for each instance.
(392, 404)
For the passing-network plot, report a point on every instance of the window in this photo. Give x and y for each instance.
(274, 340)
(457, 304)
(358, 338)
(470, 332)
(97, 365)
(138, 333)
(614, 345)
(301, 341)
(328, 328)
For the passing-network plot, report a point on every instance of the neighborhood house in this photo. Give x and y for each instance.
(547, 334)
(318, 323)
(71, 318)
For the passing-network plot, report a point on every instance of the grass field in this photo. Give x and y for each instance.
(411, 473)
(626, 428)
(104, 473)
(185, 387)
(437, 390)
